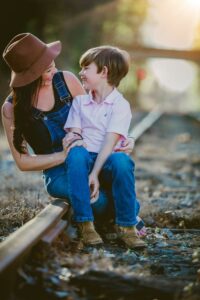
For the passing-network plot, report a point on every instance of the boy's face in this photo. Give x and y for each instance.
(89, 77)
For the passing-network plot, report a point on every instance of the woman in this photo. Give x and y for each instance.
(35, 112)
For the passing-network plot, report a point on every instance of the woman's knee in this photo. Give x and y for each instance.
(58, 188)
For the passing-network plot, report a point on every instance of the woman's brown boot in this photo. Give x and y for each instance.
(88, 234)
(129, 237)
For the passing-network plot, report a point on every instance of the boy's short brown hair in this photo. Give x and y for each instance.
(116, 60)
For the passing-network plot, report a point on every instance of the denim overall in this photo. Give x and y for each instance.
(69, 180)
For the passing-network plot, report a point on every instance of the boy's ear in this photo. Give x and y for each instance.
(104, 71)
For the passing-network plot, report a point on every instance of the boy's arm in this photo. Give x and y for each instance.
(73, 126)
(118, 126)
(109, 143)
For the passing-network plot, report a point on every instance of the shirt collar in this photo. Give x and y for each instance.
(109, 99)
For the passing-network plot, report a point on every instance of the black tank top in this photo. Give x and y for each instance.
(35, 132)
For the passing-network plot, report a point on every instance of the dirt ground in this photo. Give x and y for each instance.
(167, 181)
(168, 173)
(22, 194)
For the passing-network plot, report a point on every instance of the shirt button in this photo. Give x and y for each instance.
(45, 118)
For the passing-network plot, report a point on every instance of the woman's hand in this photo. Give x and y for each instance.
(70, 136)
(94, 185)
(127, 146)
(71, 140)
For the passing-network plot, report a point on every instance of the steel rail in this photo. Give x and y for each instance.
(18, 244)
(46, 225)
(148, 121)
(21, 241)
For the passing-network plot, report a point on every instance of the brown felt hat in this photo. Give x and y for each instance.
(28, 57)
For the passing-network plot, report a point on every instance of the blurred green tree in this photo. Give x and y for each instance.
(78, 24)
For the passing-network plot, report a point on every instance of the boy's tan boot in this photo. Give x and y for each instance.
(129, 236)
(88, 234)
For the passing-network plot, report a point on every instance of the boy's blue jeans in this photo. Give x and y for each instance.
(117, 195)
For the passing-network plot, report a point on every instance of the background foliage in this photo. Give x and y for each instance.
(78, 24)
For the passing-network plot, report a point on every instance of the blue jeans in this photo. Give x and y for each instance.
(117, 181)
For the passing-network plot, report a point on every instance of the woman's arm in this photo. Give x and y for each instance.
(27, 162)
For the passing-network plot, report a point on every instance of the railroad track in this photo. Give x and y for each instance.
(49, 223)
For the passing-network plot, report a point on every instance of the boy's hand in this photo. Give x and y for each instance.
(126, 146)
(94, 185)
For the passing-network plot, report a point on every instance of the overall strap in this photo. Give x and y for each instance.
(61, 88)
(63, 94)
(9, 99)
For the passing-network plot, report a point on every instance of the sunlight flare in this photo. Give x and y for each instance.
(193, 4)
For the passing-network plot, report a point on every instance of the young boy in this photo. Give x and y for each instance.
(102, 118)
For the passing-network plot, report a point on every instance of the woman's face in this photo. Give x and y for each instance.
(47, 76)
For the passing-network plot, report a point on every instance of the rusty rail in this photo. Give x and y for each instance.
(16, 246)
(48, 224)
(148, 121)
(45, 226)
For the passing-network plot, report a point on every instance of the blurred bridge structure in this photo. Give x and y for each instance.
(140, 52)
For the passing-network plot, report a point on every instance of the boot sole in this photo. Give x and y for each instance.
(93, 244)
(133, 247)
(139, 247)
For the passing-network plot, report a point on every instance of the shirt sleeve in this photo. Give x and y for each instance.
(74, 117)
(120, 118)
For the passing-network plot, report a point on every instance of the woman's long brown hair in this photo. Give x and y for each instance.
(23, 100)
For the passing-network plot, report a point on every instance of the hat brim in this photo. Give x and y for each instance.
(51, 51)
